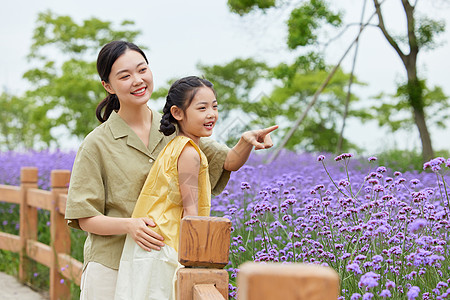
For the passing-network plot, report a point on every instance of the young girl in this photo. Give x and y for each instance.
(178, 185)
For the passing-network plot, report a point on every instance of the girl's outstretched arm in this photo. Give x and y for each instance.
(188, 168)
(259, 138)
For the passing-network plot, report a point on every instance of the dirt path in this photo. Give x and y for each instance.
(12, 289)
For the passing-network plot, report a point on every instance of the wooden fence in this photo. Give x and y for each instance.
(56, 256)
(204, 250)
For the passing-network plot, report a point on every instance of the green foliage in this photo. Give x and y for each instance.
(427, 31)
(404, 160)
(235, 81)
(395, 111)
(243, 7)
(291, 88)
(74, 39)
(304, 23)
(307, 19)
(400, 160)
(15, 122)
(65, 85)
(310, 62)
(319, 131)
(9, 262)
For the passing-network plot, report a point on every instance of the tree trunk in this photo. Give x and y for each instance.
(415, 97)
(427, 149)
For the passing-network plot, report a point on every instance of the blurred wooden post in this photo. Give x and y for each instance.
(204, 248)
(60, 235)
(28, 221)
(273, 281)
(206, 291)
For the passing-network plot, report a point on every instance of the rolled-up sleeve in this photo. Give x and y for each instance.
(216, 154)
(86, 196)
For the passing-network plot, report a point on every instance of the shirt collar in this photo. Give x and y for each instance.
(155, 135)
(120, 129)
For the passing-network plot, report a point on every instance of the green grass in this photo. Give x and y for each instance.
(403, 160)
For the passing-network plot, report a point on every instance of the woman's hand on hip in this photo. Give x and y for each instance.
(144, 236)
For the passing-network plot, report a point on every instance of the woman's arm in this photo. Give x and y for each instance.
(138, 228)
(188, 168)
(239, 154)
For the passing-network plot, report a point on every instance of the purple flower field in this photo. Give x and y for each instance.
(45, 161)
(384, 232)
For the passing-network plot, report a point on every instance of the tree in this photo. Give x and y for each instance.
(65, 84)
(392, 113)
(15, 122)
(420, 34)
(319, 131)
(235, 84)
(235, 81)
(309, 17)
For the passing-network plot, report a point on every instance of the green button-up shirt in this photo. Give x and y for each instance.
(109, 171)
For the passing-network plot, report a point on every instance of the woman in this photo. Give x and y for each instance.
(112, 164)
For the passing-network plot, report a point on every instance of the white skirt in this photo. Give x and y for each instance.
(146, 275)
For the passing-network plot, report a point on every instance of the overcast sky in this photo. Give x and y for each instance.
(181, 34)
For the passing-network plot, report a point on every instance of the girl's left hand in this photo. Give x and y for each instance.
(259, 138)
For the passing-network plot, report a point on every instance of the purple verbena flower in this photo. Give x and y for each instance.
(369, 280)
(413, 293)
(390, 284)
(355, 296)
(381, 169)
(354, 267)
(385, 294)
(367, 296)
(417, 225)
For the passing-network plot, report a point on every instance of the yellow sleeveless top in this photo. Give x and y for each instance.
(160, 197)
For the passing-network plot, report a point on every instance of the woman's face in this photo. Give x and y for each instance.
(130, 79)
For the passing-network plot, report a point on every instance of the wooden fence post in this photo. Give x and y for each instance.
(28, 221)
(293, 281)
(60, 235)
(204, 247)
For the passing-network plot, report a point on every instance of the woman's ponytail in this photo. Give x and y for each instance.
(107, 105)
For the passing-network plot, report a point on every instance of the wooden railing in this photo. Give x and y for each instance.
(56, 256)
(203, 250)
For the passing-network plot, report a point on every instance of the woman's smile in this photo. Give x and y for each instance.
(140, 92)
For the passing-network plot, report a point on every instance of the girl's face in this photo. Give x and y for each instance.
(200, 116)
(130, 79)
